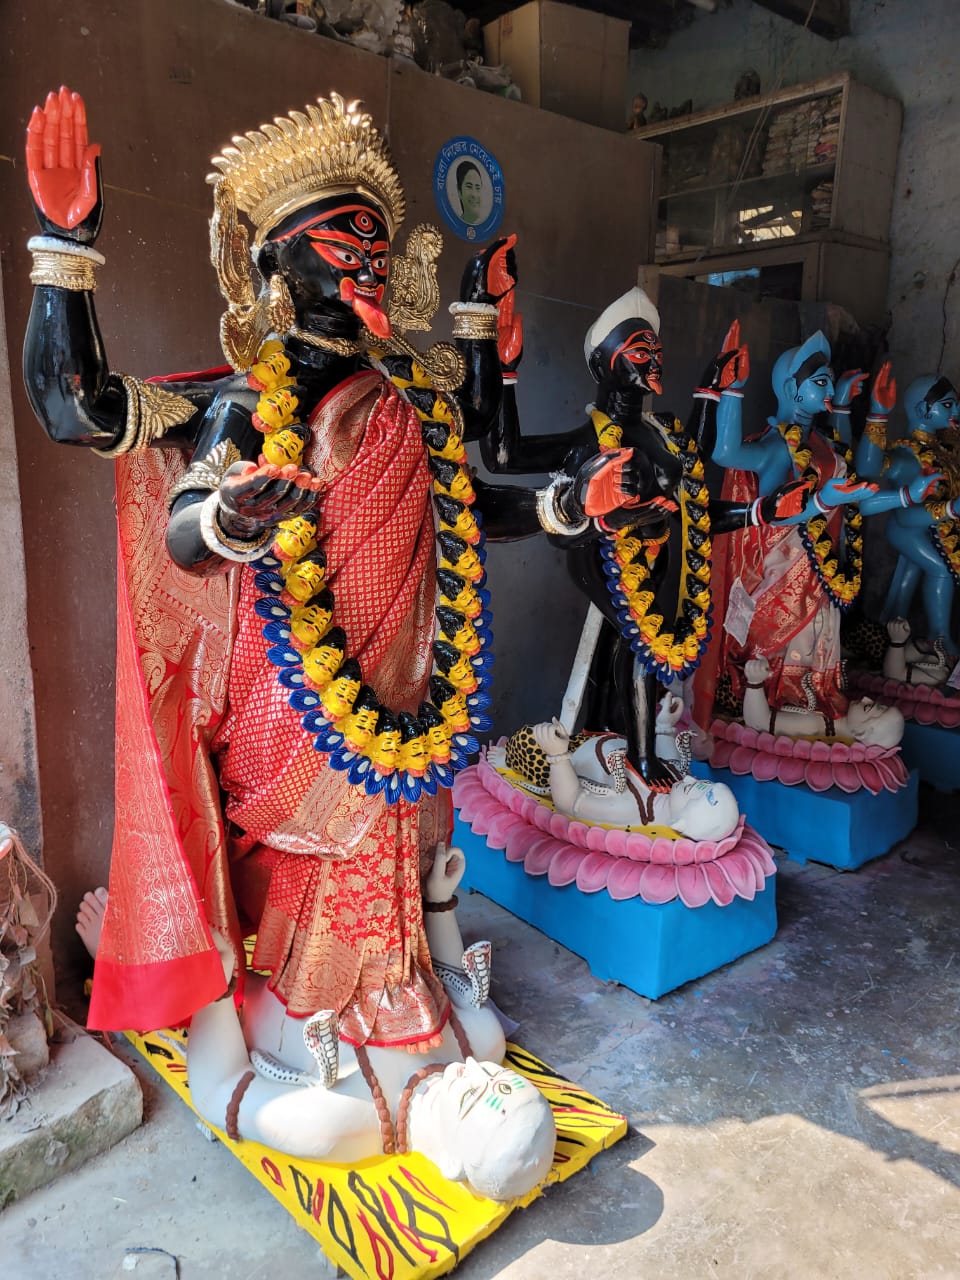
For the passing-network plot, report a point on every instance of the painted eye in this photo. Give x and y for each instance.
(381, 262)
(503, 1088)
(346, 257)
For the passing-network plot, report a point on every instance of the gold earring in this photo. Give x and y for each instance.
(280, 313)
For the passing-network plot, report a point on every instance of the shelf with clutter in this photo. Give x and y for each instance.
(789, 191)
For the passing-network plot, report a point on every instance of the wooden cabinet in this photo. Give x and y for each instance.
(788, 193)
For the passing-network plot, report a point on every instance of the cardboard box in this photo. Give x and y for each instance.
(565, 60)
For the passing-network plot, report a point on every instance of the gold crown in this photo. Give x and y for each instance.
(283, 166)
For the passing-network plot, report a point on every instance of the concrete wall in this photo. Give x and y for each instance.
(905, 49)
(19, 781)
(166, 86)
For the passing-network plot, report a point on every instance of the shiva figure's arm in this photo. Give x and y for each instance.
(439, 886)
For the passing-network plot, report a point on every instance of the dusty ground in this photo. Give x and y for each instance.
(795, 1115)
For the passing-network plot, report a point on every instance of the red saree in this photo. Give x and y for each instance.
(330, 876)
(794, 624)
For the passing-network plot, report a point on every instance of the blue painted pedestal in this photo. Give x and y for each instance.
(934, 753)
(832, 827)
(651, 948)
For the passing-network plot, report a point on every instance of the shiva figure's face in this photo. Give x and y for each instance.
(491, 1127)
(814, 394)
(630, 357)
(335, 252)
(874, 724)
(702, 810)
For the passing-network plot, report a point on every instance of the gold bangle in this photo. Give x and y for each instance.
(475, 327)
(63, 270)
(131, 426)
(476, 321)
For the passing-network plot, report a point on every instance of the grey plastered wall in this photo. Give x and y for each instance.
(19, 781)
(904, 48)
(166, 86)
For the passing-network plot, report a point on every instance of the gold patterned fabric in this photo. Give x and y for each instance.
(332, 874)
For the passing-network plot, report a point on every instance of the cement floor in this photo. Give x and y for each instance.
(794, 1115)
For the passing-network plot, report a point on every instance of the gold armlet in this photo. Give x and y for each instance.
(151, 412)
(876, 432)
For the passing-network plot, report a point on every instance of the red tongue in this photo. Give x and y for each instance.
(373, 316)
(653, 382)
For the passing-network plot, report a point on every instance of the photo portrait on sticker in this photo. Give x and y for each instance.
(468, 188)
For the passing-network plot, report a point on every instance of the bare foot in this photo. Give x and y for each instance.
(90, 919)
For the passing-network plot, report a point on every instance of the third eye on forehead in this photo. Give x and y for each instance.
(354, 219)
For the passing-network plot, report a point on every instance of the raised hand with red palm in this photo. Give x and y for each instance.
(63, 169)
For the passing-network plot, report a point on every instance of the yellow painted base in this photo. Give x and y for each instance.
(395, 1217)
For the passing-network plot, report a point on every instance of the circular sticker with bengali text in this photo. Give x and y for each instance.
(468, 188)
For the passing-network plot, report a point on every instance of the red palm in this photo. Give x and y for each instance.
(61, 164)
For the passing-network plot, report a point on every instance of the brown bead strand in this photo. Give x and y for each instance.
(406, 1095)
(233, 1106)
(387, 1136)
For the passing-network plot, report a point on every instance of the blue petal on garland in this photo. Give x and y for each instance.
(428, 784)
(304, 699)
(393, 788)
(375, 782)
(359, 767)
(482, 662)
(459, 759)
(411, 787)
(270, 609)
(481, 722)
(281, 656)
(315, 721)
(277, 632)
(341, 759)
(479, 701)
(443, 774)
(291, 677)
(269, 582)
(331, 738)
(465, 742)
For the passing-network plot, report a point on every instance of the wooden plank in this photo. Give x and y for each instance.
(796, 93)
